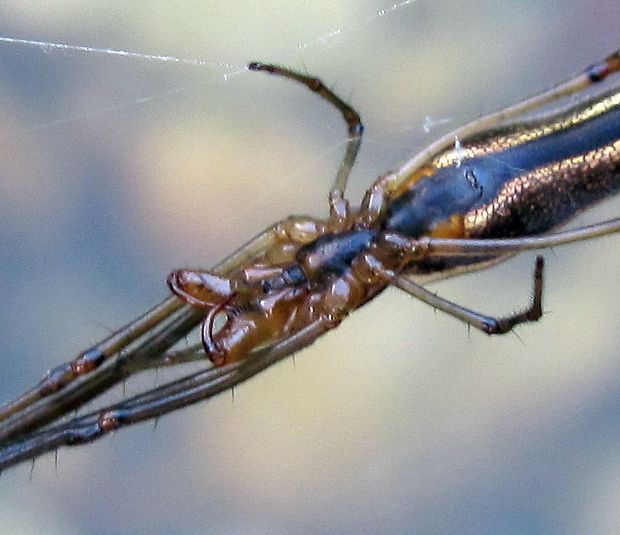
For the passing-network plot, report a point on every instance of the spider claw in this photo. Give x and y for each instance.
(215, 352)
(199, 288)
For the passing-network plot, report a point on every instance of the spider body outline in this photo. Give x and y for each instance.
(509, 182)
(30, 426)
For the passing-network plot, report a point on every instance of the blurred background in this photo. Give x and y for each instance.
(117, 170)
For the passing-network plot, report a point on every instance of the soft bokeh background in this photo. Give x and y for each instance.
(115, 171)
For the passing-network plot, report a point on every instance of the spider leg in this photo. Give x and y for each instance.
(89, 360)
(138, 345)
(416, 249)
(339, 206)
(486, 324)
(157, 402)
(592, 75)
(112, 371)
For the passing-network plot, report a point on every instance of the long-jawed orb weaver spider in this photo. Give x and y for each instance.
(506, 184)
(456, 206)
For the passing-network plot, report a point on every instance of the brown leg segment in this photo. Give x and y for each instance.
(339, 208)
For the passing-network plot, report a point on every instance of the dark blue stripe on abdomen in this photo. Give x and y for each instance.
(456, 190)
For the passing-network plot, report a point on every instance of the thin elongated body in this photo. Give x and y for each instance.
(519, 180)
(511, 181)
(495, 187)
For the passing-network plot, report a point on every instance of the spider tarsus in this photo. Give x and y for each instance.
(258, 66)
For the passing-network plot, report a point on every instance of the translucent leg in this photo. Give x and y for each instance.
(593, 74)
(487, 324)
(157, 402)
(138, 345)
(89, 360)
(338, 204)
(53, 405)
(415, 249)
(374, 201)
(207, 289)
